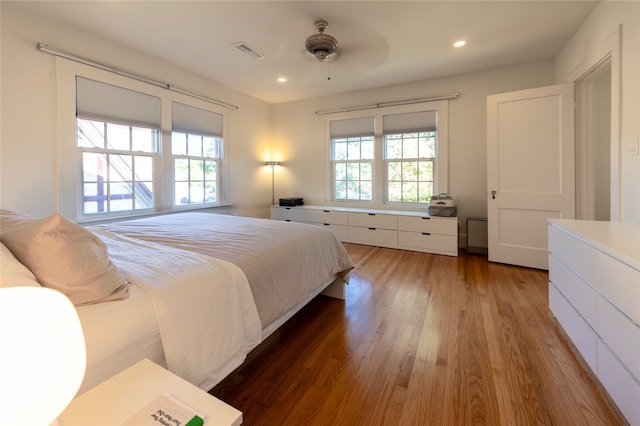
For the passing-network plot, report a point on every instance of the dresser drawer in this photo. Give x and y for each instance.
(427, 242)
(373, 236)
(611, 278)
(428, 224)
(373, 220)
(576, 255)
(328, 216)
(621, 335)
(581, 296)
(291, 214)
(341, 231)
(582, 336)
(620, 284)
(621, 387)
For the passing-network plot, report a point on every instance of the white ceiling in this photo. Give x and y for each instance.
(381, 43)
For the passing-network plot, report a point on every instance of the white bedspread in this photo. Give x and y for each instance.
(118, 334)
(206, 315)
(285, 262)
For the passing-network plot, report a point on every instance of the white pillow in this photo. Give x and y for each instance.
(66, 257)
(9, 218)
(13, 273)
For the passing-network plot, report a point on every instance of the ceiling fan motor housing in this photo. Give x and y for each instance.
(322, 46)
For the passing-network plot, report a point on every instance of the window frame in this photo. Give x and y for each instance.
(404, 160)
(218, 167)
(82, 150)
(380, 178)
(68, 194)
(348, 161)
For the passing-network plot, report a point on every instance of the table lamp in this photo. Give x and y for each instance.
(42, 355)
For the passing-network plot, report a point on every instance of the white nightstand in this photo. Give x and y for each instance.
(120, 397)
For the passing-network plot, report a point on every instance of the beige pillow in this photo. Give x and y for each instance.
(66, 257)
(13, 273)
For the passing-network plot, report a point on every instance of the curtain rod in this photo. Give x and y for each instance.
(392, 103)
(45, 48)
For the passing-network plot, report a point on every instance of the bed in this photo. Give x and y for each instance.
(286, 263)
(202, 289)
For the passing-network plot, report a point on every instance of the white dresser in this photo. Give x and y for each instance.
(594, 292)
(405, 230)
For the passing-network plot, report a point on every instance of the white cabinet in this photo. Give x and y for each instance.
(384, 228)
(428, 233)
(335, 217)
(373, 228)
(337, 221)
(373, 220)
(373, 236)
(289, 214)
(424, 241)
(594, 292)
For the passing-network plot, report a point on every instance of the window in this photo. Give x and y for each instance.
(139, 149)
(117, 166)
(196, 148)
(395, 155)
(195, 160)
(353, 165)
(352, 153)
(410, 156)
(117, 139)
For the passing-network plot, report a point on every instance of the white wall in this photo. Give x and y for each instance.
(28, 147)
(582, 52)
(299, 133)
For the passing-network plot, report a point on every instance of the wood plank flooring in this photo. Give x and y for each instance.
(421, 340)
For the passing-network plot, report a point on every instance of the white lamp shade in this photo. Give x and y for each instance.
(42, 355)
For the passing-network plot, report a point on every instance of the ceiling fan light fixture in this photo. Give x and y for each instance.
(322, 46)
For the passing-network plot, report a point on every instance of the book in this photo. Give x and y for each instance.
(165, 410)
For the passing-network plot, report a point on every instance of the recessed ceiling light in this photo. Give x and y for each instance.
(459, 43)
(282, 80)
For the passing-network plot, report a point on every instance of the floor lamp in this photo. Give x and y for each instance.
(273, 165)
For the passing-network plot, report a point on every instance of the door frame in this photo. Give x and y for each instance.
(585, 105)
(607, 53)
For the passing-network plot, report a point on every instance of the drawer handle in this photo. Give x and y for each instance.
(372, 214)
(326, 224)
(425, 218)
(327, 211)
(426, 233)
(372, 229)
(287, 220)
(287, 208)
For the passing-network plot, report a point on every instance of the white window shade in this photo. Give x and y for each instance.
(112, 103)
(189, 119)
(410, 122)
(352, 127)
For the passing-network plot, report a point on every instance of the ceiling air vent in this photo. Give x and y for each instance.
(244, 48)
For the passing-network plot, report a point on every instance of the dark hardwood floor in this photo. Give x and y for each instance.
(421, 340)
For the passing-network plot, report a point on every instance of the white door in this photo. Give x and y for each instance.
(530, 171)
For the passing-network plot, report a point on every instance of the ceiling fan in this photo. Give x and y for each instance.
(287, 50)
(323, 47)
